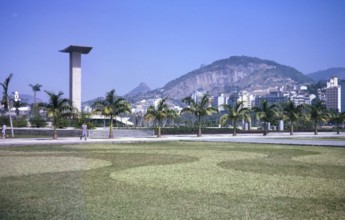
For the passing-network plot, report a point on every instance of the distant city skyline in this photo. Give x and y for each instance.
(157, 41)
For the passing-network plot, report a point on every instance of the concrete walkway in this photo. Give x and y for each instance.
(299, 138)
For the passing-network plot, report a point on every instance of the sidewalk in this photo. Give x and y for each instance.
(299, 138)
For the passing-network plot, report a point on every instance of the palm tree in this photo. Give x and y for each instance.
(84, 117)
(5, 85)
(338, 119)
(198, 109)
(235, 113)
(6, 99)
(57, 108)
(159, 113)
(35, 88)
(266, 113)
(17, 104)
(318, 113)
(112, 106)
(291, 112)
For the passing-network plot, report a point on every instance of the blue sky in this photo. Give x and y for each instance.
(155, 41)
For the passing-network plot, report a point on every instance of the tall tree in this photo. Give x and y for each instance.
(318, 113)
(159, 113)
(57, 108)
(17, 104)
(112, 106)
(235, 114)
(267, 113)
(35, 88)
(291, 112)
(198, 109)
(5, 85)
(6, 99)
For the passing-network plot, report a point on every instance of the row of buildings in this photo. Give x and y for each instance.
(333, 96)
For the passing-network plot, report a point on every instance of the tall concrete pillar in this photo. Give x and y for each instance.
(281, 125)
(75, 53)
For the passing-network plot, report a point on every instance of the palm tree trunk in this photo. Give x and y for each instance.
(199, 129)
(235, 125)
(291, 128)
(315, 128)
(111, 128)
(55, 133)
(265, 132)
(159, 132)
(10, 116)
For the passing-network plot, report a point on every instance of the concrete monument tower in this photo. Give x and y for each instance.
(75, 53)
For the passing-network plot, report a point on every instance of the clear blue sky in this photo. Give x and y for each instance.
(155, 41)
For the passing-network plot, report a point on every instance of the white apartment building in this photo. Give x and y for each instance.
(333, 94)
(222, 100)
(246, 98)
(197, 95)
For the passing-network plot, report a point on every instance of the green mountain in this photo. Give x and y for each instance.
(327, 74)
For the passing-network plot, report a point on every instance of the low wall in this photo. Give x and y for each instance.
(45, 132)
(94, 133)
(104, 133)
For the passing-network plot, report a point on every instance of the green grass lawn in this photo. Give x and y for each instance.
(172, 180)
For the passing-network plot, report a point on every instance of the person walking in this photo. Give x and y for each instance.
(3, 130)
(84, 131)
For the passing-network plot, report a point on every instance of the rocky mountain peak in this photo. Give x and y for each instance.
(140, 89)
(234, 74)
(229, 75)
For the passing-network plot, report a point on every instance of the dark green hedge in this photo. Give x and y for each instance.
(194, 130)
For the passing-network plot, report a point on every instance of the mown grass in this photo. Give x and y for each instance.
(173, 180)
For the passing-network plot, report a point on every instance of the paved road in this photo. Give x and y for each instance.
(322, 139)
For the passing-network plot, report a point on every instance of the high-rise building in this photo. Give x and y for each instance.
(246, 98)
(197, 95)
(222, 100)
(342, 93)
(333, 94)
(275, 97)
